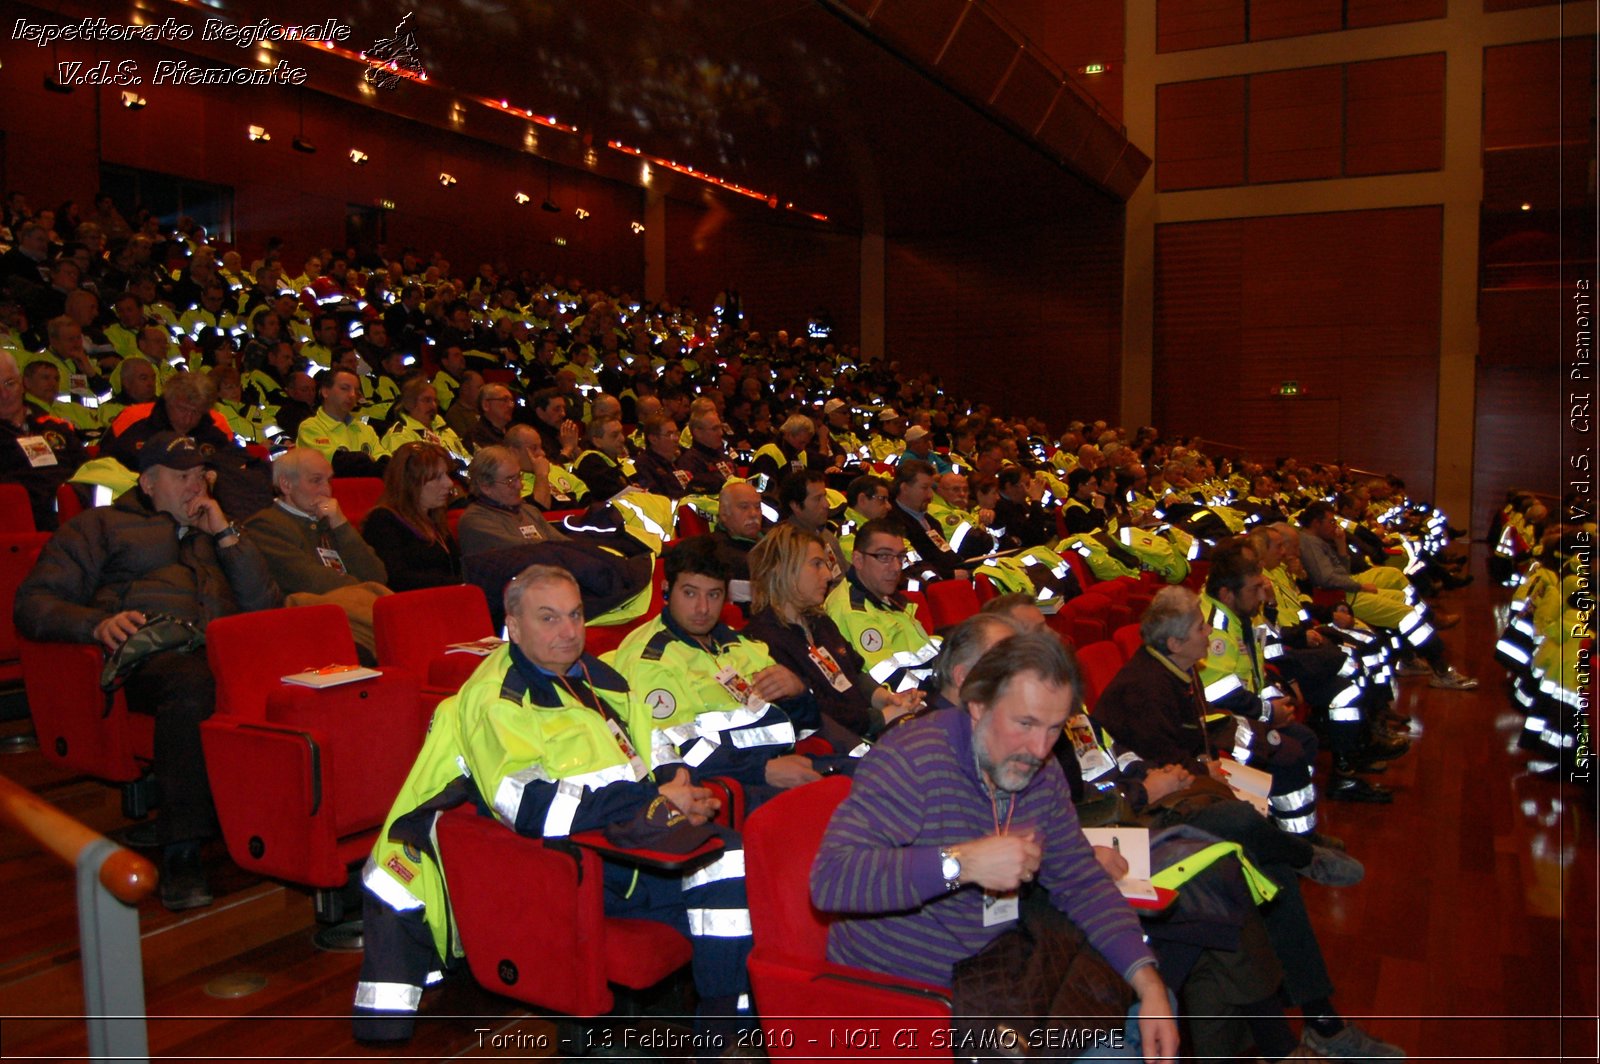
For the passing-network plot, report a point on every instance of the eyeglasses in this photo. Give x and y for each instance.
(884, 557)
(515, 478)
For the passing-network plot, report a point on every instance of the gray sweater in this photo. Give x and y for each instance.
(1326, 564)
(290, 540)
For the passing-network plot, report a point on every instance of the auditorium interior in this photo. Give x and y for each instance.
(1358, 232)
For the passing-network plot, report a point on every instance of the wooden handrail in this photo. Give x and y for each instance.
(128, 876)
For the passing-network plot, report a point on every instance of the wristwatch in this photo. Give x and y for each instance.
(950, 867)
(232, 529)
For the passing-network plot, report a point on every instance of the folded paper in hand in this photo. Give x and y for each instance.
(1134, 846)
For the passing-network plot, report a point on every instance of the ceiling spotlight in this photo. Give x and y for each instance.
(52, 85)
(358, 156)
(580, 214)
(133, 101)
(550, 205)
(259, 133)
(304, 145)
(522, 199)
(637, 227)
(447, 179)
(1527, 206)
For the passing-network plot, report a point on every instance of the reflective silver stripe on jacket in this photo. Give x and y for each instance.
(729, 866)
(388, 889)
(388, 997)
(719, 923)
(1222, 687)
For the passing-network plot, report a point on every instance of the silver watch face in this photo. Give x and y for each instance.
(950, 868)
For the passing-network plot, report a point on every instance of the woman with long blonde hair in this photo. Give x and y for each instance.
(789, 578)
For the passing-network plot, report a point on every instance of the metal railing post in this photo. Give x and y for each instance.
(113, 964)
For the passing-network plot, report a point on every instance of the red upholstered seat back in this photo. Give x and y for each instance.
(16, 511)
(951, 602)
(357, 495)
(413, 628)
(250, 653)
(1098, 662)
(780, 839)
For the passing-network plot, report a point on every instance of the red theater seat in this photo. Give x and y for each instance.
(1128, 640)
(950, 602)
(79, 727)
(1098, 663)
(357, 495)
(18, 551)
(532, 920)
(16, 510)
(414, 629)
(789, 970)
(302, 777)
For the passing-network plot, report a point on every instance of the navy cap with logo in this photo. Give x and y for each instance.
(171, 450)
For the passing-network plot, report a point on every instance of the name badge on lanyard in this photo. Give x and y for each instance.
(829, 666)
(37, 448)
(331, 559)
(635, 762)
(1000, 908)
(739, 688)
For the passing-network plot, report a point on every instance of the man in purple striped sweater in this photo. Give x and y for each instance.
(950, 814)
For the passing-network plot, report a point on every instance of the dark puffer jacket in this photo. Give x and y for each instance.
(128, 556)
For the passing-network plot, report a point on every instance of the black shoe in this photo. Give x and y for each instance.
(141, 836)
(1384, 746)
(1399, 720)
(183, 879)
(1348, 766)
(1356, 789)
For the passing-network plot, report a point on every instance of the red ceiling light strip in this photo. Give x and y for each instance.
(710, 179)
(551, 122)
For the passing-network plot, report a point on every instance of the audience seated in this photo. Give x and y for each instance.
(313, 551)
(407, 528)
(498, 516)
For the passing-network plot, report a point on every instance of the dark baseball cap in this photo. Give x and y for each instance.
(171, 450)
(661, 827)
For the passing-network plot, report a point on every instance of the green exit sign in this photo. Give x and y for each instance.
(1289, 388)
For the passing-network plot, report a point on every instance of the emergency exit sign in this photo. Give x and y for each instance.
(1289, 388)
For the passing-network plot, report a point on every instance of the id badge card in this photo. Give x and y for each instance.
(682, 476)
(1000, 908)
(331, 559)
(78, 384)
(830, 667)
(739, 591)
(635, 762)
(38, 451)
(936, 539)
(530, 532)
(739, 687)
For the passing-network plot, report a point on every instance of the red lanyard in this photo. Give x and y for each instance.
(994, 807)
(605, 711)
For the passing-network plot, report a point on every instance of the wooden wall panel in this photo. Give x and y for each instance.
(1053, 292)
(1185, 24)
(1296, 124)
(1394, 115)
(1517, 442)
(1526, 101)
(1347, 304)
(783, 273)
(1200, 134)
(1360, 13)
(1076, 33)
(1270, 19)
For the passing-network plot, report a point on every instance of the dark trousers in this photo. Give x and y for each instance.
(1277, 853)
(176, 688)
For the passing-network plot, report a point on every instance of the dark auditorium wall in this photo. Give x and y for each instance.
(1246, 304)
(1076, 34)
(1054, 290)
(784, 272)
(200, 133)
